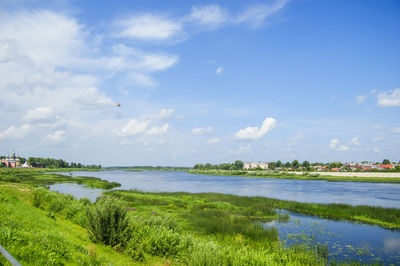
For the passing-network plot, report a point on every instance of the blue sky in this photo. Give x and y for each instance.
(200, 81)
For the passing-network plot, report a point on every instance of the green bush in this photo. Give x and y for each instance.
(108, 223)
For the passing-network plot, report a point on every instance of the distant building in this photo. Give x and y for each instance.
(26, 165)
(386, 166)
(252, 165)
(11, 161)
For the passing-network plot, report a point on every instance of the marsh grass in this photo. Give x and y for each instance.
(219, 222)
(42, 177)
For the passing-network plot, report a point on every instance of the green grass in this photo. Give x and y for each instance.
(39, 227)
(46, 177)
(258, 208)
(307, 176)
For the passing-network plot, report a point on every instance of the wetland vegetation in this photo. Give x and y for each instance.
(134, 227)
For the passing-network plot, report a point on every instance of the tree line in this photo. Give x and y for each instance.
(306, 165)
(58, 163)
(52, 163)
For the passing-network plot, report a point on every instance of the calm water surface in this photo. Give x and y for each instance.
(373, 194)
(344, 240)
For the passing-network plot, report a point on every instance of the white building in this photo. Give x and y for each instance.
(252, 165)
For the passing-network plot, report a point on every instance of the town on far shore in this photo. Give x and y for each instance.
(365, 166)
(14, 161)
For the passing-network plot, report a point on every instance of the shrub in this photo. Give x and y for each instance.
(108, 223)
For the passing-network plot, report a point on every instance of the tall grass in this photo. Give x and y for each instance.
(220, 222)
(108, 222)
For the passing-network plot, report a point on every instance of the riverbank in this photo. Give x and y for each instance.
(39, 227)
(299, 176)
(42, 177)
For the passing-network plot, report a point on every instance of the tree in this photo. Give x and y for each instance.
(295, 164)
(306, 164)
(272, 165)
(238, 164)
(278, 164)
(288, 165)
(386, 161)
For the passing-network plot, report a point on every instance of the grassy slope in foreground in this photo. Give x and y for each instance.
(45, 177)
(39, 227)
(309, 176)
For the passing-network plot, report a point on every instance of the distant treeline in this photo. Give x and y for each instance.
(52, 163)
(58, 163)
(148, 168)
(237, 165)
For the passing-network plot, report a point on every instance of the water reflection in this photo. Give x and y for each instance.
(78, 191)
(373, 194)
(344, 240)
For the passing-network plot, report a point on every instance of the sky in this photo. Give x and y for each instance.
(184, 82)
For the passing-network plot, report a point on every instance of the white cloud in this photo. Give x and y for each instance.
(378, 138)
(143, 80)
(213, 140)
(165, 113)
(149, 27)
(219, 70)
(361, 98)
(376, 149)
(202, 130)
(40, 114)
(16, 132)
(57, 136)
(396, 130)
(389, 99)
(211, 16)
(377, 126)
(354, 141)
(333, 143)
(343, 148)
(257, 14)
(132, 128)
(133, 59)
(44, 36)
(243, 149)
(295, 139)
(158, 130)
(91, 98)
(255, 132)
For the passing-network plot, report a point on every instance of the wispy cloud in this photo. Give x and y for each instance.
(219, 70)
(149, 27)
(256, 15)
(389, 98)
(202, 130)
(211, 16)
(213, 140)
(361, 98)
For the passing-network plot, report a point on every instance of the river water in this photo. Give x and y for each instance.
(354, 193)
(343, 240)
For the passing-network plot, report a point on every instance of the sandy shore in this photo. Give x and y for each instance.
(358, 174)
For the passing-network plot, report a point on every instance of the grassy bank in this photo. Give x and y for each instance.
(307, 176)
(39, 227)
(48, 177)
